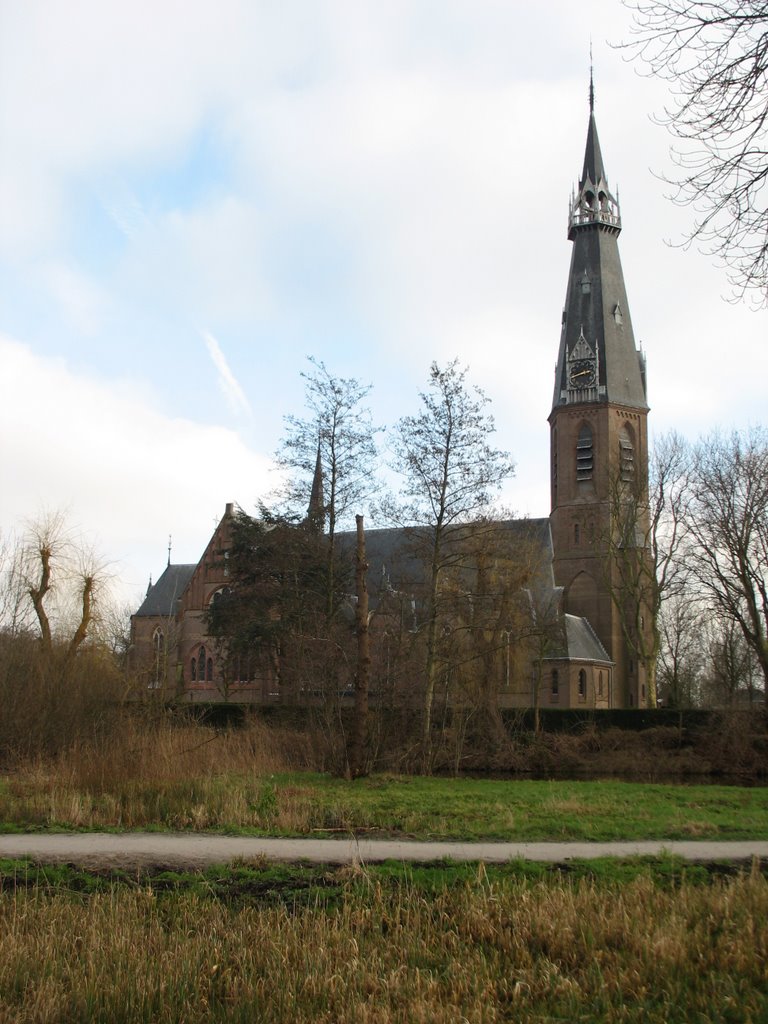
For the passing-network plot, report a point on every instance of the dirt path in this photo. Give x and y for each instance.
(195, 850)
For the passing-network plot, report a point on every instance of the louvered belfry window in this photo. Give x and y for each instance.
(626, 454)
(584, 454)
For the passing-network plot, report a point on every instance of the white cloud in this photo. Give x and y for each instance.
(128, 474)
(80, 299)
(228, 384)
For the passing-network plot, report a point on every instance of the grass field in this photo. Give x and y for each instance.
(303, 803)
(651, 942)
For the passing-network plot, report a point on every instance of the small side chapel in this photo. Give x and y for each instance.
(598, 433)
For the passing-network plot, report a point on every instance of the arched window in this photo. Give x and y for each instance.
(627, 453)
(600, 684)
(158, 644)
(193, 670)
(201, 665)
(209, 670)
(584, 454)
(582, 683)
(555, 683)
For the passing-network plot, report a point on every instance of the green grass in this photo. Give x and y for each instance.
(534, 810)
(295, 804)
(260, 882)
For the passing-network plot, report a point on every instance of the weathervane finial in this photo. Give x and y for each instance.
(591, 81)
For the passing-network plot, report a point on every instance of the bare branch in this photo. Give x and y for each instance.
(715, 54)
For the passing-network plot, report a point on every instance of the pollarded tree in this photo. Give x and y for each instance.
(729, 522)
(715, 53)
(63, 581)
(450, 476)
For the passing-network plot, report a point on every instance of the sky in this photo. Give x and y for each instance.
(196, 196)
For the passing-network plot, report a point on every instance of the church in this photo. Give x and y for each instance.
(598, 444)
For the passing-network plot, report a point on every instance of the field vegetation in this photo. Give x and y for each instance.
(655, 942)
(153, 773)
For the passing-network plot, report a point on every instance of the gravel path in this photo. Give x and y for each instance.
(195, 850)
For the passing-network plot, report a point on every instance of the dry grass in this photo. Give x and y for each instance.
(158, 772)
(478, 952)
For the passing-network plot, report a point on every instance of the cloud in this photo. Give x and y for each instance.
(228, 384)
(79, 297)
(127, 474)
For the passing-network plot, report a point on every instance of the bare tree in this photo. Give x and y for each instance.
(643, 543)
(330, 454)
(729, 523)
(730, 680)
(16, 612)
(450, 475)
(363, 673)
(715, 53)
(682, 651)
(63, 578)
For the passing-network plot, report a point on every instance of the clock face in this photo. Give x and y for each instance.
(582, 374)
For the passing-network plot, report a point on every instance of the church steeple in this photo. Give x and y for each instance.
(597, 359)
(598, 420)
(316, 509)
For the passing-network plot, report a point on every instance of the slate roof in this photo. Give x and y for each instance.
(162, 596)
(578, 642)
(395, 562)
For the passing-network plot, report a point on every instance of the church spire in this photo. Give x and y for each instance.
(316, 510)
(597, 360)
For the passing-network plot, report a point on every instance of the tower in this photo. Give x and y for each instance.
(598, 422)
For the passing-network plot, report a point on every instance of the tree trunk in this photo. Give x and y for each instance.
(37, 594)
(431, 678)
(85, 618)
(360, 728)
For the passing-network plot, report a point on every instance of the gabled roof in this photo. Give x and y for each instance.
(162, 596)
